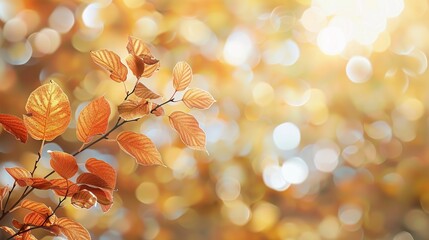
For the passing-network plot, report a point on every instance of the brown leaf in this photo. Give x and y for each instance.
(92, 180)
(111, 62)
(84, 199)
(103, 170)
(189, 130)
(157, 111)
(136, 64)
(137, 47)
(21, 175)
(64, 164)
(139, 147)
(93, 120)
(48, 112)
(149, 59)
(62, 186)
(72, 230)
(15, 126)
(131, 109)
(37, 207)
(149, 70)
(182, 76)
(143, 92)
(197, 98)
(104, 197)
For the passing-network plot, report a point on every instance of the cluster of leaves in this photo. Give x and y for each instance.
(48, 115)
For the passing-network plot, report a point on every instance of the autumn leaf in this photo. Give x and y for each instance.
(139, 147)
(136, 64)
(149, 70)
(103, 170)
(34, 219)
(143, 92)
(62, 186)
(157, 110)
(84, 199)
(131, 109)
(182, 76)
(64, 164)
(137, 47)
(93, 120)
(15, 126)
(41, 183)
(37, 207)
(111, 62)
(197, 98)
(48, 112)
(72, 230)
(104, 197)
(3, 192)
(189, 130)
(93, 180)
(21, 175)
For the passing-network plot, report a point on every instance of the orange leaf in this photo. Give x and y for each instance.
(48, 112)
(41, 183)
(144, 92)
(137, 47)
(182, 76)
(15, 126)
(34, 219)
(60, 186)
(197, 98)
(157, 111)
(72, 230)
(150, 69)
(136, 65)
(188, 129)
(139, 147)
(131, 109)
(84, 199)
(3, 192)
(21, 175)
(93, 120)
(112, 63)
(37, 207)
(64, 164)
(104, 197)
(92, 180)
(103, 170)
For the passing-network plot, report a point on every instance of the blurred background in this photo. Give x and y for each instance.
(319, 131)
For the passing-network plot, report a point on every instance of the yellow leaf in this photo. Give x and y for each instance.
(137, 47)
(149, 70)
(131, 109)
(112, 63)
(189, 130)
(48, 112)
(144, 92)
(63, 163)
(139, 147)
(93, 120)
(182, 76)
(197, 98)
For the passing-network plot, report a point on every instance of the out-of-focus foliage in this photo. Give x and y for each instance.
(318, 130)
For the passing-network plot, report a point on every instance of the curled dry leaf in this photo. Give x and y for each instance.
(189, 130)
(21, 175)
(84, 199)
(104, 197)
(93, 120)
(48, 112)
(182, 76)
(137, 47)
(140, 148)
(15, 126)
(131, 109)
(136, 65)
(102, 170)
(143, 92)
(64, 164)
(197, 98)
(112, 63)
(72, 230)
